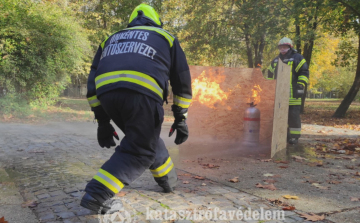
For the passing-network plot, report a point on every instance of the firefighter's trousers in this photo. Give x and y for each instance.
(294, 122)
(140, 118)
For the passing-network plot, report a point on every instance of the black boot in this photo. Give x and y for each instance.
(167, 188)
(293, 141)
(110, 205)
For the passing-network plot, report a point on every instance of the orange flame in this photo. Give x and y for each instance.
(207, 91)
(255, 94)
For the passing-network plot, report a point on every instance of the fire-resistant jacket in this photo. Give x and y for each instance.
(141, 58)
(299, 73)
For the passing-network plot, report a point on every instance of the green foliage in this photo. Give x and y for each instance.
(15, 105)
(103, 17)
(39, 50)
(340, 80)
(347, 52)
(224, 33)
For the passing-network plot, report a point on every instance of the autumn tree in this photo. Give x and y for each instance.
(350, 22)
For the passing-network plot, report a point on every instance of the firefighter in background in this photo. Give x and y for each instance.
(298, 80)
(128, 84)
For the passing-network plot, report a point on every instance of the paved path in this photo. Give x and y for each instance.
(51, 164)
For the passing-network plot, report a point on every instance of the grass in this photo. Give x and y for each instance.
(317, 111)
(320, 112)
(66, 109)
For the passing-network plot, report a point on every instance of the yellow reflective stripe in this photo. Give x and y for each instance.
(270, 68)
(108, 185)
(109, 181)
(182, 102)
(301, 83)
(291, 87)
(300, 65)
(125, 75)
(93, 101)
(163, 169)
(162, 166)
(294, 101)
(103, 43)
(118, 182)
(295, 132)
(165, 172)
(303, 78)
(162, 32)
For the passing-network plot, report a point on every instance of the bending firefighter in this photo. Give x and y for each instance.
(299, 78)
(128, 84)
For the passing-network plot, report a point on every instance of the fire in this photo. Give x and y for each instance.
(206, 89)
(255, 94)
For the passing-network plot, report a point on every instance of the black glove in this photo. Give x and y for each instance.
(180, 125)
(105, 134)
(299, 91)
(182, 132)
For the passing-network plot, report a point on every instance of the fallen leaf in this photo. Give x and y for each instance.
(185, 174)
(350, 147)
(350, 167)
(185, 182)
(334, 182)
(30, 204)
(319, 186)
(355, 199)
(186, 161)
(310, 181)
(266, 160)
(281, 161)
(357, 174)
(277, 176)
(289, 208)
(203, 184)
(298, 158)
(269, 186)
(290, 197)
(210, 166)
(2, 220)
(276, 202)
(234, 180)
(121, 194)
(270, 181)
(199, 178)
(283, 167)
(268, 175)
(312, 217)
(317, 163)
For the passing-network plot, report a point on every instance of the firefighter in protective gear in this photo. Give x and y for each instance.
(299, 78)
(128, 84)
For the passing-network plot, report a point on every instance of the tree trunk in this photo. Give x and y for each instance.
(308, 48)
(298, 39)
(249, 51)
(349, 98)
(259, 54)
